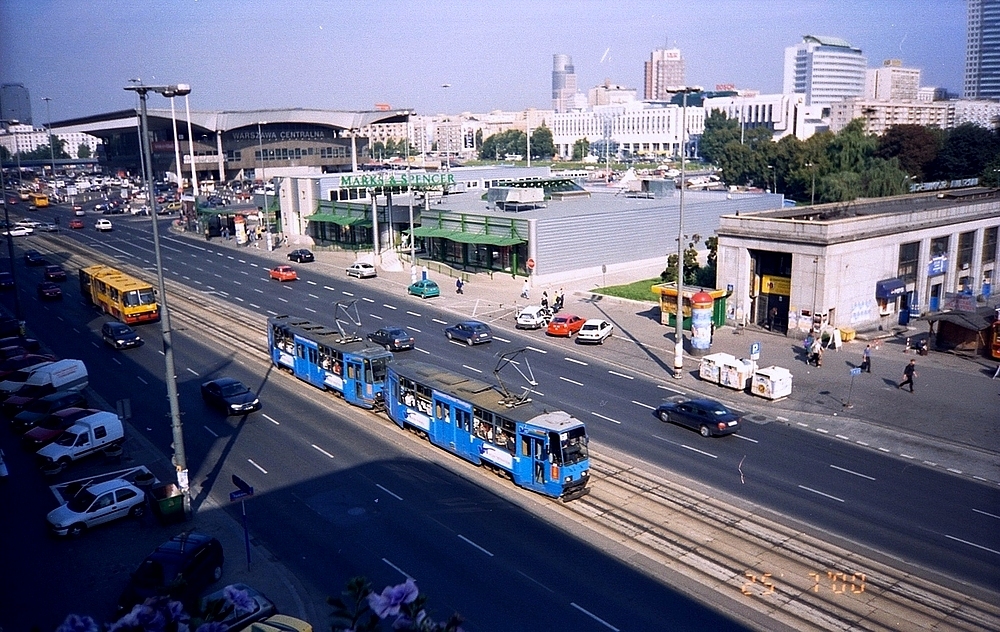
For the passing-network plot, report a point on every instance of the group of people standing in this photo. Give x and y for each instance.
(815, 358)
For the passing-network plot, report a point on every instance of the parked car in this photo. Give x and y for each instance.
(28, 344)
(48, 227)
(254, 606)
(424, 288)
(79, 212)
(49, 291)
(392, 338)
(24, 361)
(533, 317)
(76, 222)
(6, 281)
(283, 273)
(362, 270)
(564, 325)
(707, 416)
(34, 258)
(301, 255)
(27, 223)
(104, 225)
(119, 335)
(97, 504)
(55, 273)
(471, 332)
(230, 395)
(17, 231)
(48, 429)
(39, 409)
(595, 330)
(181, 568)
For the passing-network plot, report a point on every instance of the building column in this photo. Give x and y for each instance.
(221, 156)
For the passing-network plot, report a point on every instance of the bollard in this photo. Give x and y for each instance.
(906, 347)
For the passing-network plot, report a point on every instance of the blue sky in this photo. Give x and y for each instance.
(348, 54)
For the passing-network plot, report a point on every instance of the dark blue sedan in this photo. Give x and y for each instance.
(471, 332)
(707, 416)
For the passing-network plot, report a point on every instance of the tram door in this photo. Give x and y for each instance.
(354, 380)
(535, 449)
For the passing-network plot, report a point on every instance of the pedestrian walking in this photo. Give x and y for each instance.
(559, 299)
(525, 289)
(909, 372)
(816, 352)
(545, 299)
(866, 359)
(458, 286)
(772, 317)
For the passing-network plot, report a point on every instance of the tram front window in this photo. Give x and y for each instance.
(569, 447)
(377, 369)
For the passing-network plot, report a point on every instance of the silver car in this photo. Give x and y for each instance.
(97, 504)
(362, 270)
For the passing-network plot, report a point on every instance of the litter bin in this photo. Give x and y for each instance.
(168, 503)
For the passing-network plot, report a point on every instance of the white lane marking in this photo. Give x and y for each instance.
(272, 420)
(809, 489)
(627, 377)
(141, 380)
(842, 469)
(931, 463)
(309, 309)
(398, 569)
(254, 305)
(985, 513)
(439, 321)
(575, 361)
(595, 617)
(283, 300)
(239, 299)
(536, 349)
(422, 350)
(883, 449)
(954, 471)
(536, 581)
(252, 265)
(346, 293)
(258, 290)
(466, 366)
(978, 546)
(644, 405)
(687, 447)
(566, 379)
(311, 282)
(367, 300)
(500, 339)
(905, 456)
(192, 371)
(413, 314)
(539, 393)
(414, 329)
(396, 496)
(376, 317)
(211, 432)
(780, 418)
(844, 437)
(861, 443)
(256, 466)
(739, 436)
(116, 360)
(614, 421)
(387, 306)
(823, 430)
(327, 287)
(457, 342)
(311, 295)
(667, 388)
(321, 450)
(474, 544)
(799, 423)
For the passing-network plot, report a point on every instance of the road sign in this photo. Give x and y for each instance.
(755, 351)
(531, 264)
(234, 496)
(856, 371)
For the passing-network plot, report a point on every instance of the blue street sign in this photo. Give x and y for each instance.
(754, 348)
(240, 493)
(856, 371)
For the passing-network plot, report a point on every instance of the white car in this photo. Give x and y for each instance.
(104, 225)
(97, 504)
(595, 330)
(27, 223)
(18, 231)
(533, 317)
(362, 270)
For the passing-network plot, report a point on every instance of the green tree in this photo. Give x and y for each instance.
(720, 130)
(499, 145)
(990, 176)
(691, 265)
(966, 151)
(541, 143)
(83, 151)
(916, 147)
(581, 148)
(852, 149)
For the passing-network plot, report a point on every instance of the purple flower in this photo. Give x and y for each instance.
(240, 599)
(392, 597)
(76, 623)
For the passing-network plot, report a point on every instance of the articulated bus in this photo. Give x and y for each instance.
(40, 200)
(328, 360)
(541, 450)
(125, 297)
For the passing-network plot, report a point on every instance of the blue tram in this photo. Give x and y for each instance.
(326, 359)
(541, 450)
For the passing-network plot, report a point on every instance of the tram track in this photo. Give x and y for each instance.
(796, 579)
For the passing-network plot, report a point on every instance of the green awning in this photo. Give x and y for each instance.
(466, 238)
(340, 220)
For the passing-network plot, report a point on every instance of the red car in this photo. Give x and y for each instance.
(76, 223)
(55, 273)
(49, 429)
(283, 273)
(564, 325)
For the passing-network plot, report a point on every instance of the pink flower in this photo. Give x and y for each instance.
(392, 597)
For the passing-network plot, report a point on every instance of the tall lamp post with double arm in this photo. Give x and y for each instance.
(179, 458)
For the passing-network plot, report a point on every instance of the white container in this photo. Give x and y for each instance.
(736, 374)
(772, 383)
(711, 364)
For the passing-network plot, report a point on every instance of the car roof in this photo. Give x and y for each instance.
(182, 542)
(473, 323)
(106, 486)
(594, 321)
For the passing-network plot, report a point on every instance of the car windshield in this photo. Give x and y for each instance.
(135, 298)
(235, 388)
(38, 406)
(81, 502)
(54, 423)
(19, 376)
(152, 573)
(66, 439)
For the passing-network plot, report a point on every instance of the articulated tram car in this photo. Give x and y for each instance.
(541, 450)
(326, 359)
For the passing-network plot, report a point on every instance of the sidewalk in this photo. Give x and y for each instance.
(949, 423)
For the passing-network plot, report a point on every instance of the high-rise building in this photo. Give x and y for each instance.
(825, 69)
(664, 69)
(982, 51)
(15, 105)
(563, 83)
(892, 82)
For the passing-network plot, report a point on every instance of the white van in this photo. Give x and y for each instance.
(17, 379)
(61, 375)
(89, 435)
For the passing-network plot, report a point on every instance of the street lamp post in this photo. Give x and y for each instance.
(194, 168)
(179, 459)
(812, 195)
(679, 318)
(52, 151)
(177, 144)
(260, 145)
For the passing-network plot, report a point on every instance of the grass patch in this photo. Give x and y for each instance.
(636, 291)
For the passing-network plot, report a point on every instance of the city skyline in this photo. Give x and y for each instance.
(352, 55)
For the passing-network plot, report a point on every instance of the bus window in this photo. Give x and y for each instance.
(378, 368)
